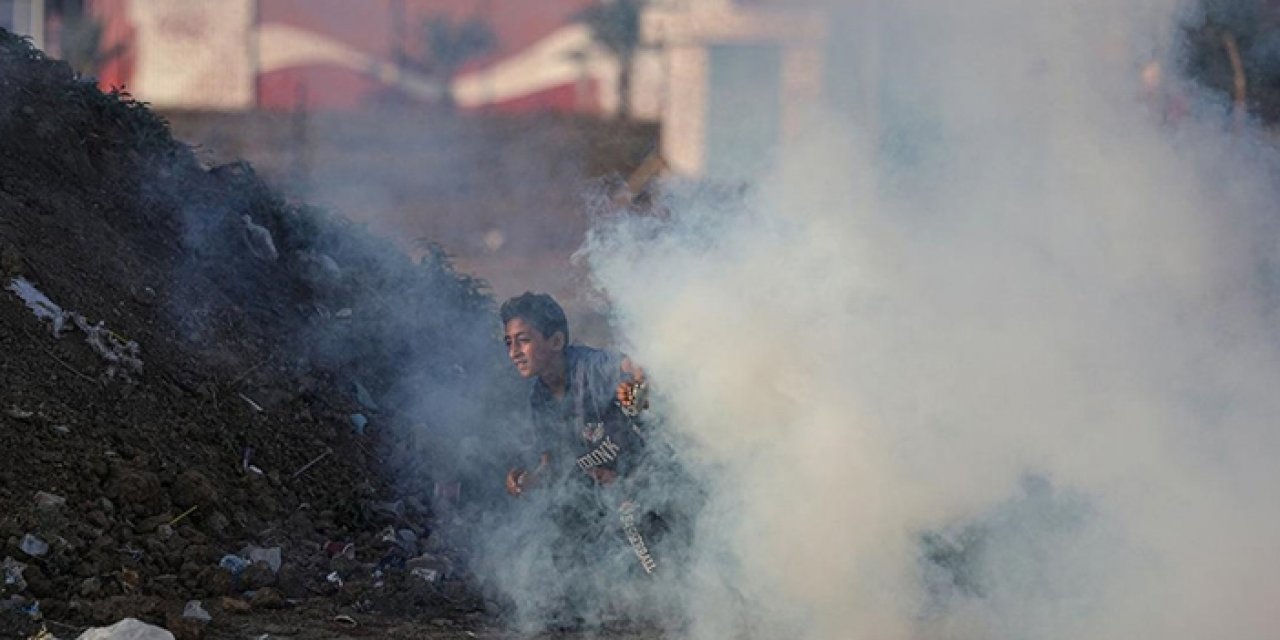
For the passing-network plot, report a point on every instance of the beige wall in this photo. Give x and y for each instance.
(193, 54)
(685, 30)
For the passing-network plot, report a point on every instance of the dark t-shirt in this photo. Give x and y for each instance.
(585, 428)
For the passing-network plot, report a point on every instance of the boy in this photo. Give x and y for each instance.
(573, 396)
(584, 403)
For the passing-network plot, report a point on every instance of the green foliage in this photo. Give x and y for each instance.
(615, 25)
(451, 44)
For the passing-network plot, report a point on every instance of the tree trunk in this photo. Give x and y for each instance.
(625, 64)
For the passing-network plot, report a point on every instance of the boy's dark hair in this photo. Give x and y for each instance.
(539, 310)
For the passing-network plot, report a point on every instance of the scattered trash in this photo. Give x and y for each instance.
(245, 462)
(335, 579)
(389, 535)
(196, 611)
(425, 574)
(259, 240)
(134, 554)
(33, 546)
(319, 270)
(389, 509)
(345, 619)
(343, 314)
(182, 515)
(252, 405)
(430, 567)
(359, 422)
(127, 629)
(46, 500)
(310, 464)
(43, 634)
(18, 414)
(62, 429)
(233, 563)
(40, 304)
(130, 579)
(363, 397)
(122, 355)
(270, 556)
(32, 609)
(344, 549)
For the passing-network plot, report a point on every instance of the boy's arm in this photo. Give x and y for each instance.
(520, 479)
(631, 390)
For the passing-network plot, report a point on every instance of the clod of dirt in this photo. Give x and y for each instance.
(193, 489)
(267, 598)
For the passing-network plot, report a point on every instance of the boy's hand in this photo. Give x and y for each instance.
(520, 479)
(631, 392)
(515, 481)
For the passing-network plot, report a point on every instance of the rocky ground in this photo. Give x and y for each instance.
(183, 436)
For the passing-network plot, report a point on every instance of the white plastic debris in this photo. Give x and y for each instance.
(33, 546)
(46, 500)
(319, 270)
(364, 397)
(358, 423)
(122, 356)
(13, 574)
(270, 556)
(425, 574)
(389, 535)
(43, 634)
(40, 304)
(252, 405)
(196, 611)
(233, 563)
(259, 240)
(127, 629)
(334, 578)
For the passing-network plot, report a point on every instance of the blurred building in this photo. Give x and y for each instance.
(341, 54)
(24, 17)
(740, 75)
(727, 79)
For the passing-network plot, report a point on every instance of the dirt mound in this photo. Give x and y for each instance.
(271, 340)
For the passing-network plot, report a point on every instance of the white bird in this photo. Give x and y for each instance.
(259, 240)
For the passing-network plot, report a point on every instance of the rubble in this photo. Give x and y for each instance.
(33, 546)
(13, 580)
(196, 611)
(127, 629)
(131, 495)
(46, 500)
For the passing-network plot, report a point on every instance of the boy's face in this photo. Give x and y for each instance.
(532, 353)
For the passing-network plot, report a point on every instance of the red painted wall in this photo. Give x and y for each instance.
(373, 27)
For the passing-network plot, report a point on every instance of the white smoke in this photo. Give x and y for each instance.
(1002, 309)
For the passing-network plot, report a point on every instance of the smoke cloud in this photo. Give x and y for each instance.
(990, 354)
